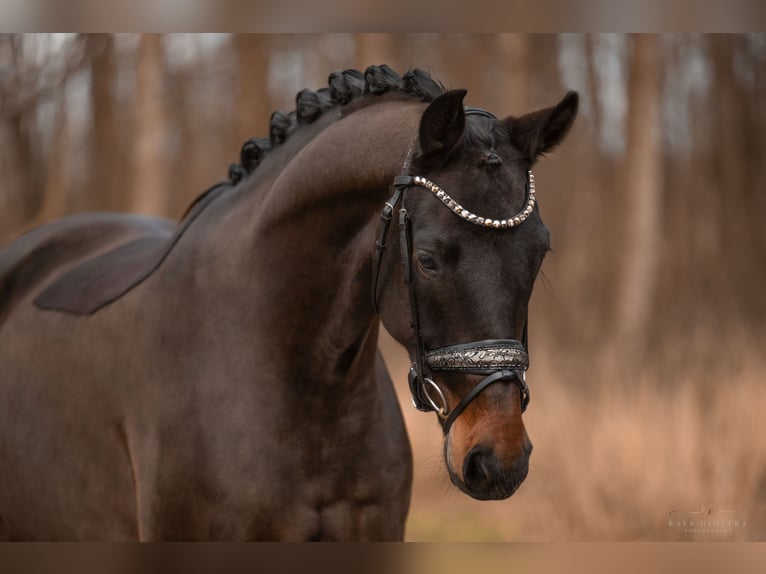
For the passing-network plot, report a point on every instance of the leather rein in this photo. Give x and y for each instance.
(496, 359)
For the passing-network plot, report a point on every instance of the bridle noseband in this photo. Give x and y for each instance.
(496, 359)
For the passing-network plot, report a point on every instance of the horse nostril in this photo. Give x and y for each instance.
(527, 446)
(476, 471)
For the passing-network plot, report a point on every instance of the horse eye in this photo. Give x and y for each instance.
(427, 262)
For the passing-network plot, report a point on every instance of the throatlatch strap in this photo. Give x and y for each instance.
(400, 184)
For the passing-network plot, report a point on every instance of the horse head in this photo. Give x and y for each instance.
(455, 281)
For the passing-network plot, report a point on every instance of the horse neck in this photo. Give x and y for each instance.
(311, 237)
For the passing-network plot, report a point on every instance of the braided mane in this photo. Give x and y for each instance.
(342, 87)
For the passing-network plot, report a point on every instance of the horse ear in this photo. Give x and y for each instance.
(539, 132)
(442, 124)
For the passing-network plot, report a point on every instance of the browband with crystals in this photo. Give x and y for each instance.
(472, 217)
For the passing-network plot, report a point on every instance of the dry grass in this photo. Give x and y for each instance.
(611, 463)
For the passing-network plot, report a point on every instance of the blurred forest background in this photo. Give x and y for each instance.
(648, 327)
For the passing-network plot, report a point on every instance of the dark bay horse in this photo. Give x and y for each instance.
(219, 379)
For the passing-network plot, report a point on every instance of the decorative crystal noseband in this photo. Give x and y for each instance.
(495, 359)
(480, 357)
(472, 217)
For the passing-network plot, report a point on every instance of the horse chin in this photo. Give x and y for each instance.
(502, 491)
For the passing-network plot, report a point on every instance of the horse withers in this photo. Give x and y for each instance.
(219, 378)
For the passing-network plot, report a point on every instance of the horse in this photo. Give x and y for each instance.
(218, 378)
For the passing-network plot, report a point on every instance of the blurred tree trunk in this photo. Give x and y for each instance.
(28, 162)
(187, 161)
(543, 59)
(374, 50)
(56, 202)
(253, 102)
(731, 133)
(736, 159)
(514, 89)
(594, 87)
(642, 188)
(21, 160)
(466, 53)
(150, 140)
(105, 180)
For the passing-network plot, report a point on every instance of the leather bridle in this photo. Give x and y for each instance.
(497, 359)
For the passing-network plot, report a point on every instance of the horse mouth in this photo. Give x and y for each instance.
(501, 489)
